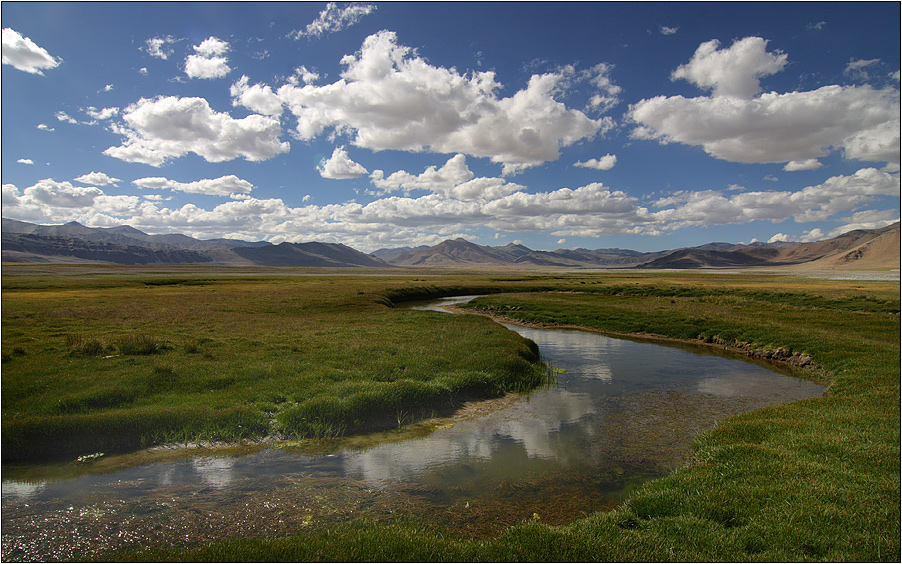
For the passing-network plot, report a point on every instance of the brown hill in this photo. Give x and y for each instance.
(863, 249)
(701, 258)
(306, 254)
(452, 253)
(876, 249)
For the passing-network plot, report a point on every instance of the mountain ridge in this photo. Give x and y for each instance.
(843, 252)
(72, 242)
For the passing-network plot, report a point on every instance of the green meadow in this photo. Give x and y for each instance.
(117, 358)
(122, 362)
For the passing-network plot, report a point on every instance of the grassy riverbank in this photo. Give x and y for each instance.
(129, 359)
(813, 480)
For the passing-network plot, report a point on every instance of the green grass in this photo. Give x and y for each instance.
(118, 363)
(815, 480)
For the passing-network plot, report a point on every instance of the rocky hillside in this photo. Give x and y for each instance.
(876, 249)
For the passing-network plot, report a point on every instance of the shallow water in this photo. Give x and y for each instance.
(620, 413)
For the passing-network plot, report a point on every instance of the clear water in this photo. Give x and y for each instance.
(620, 413)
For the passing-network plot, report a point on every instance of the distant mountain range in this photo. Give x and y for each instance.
(874, 249)
(73, 242)
(461, 252)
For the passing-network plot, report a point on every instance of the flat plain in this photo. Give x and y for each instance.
(100, 358)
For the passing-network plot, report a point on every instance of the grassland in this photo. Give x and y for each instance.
(241, 355)
(120, 362)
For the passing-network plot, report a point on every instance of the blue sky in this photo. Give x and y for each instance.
(647, 126)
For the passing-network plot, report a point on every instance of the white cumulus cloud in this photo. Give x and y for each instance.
(63, 116)
(453, 180)
(23, 54)
(774, 128)
(160, 47)
(807, 164)
(335, 17)
(209, 62)
(212, 47)
(448, 209)
(25, 161)
(97, 179)
(340, 166)
(838, 194)
(739, 124)
(433, 179)
(558, 207)
(869, 219)
(163, 128)
(62, 194)
(104, 114)
(733, 71)
(49, 201)
(390, 98)
(303, 74)
(606, 162)
(222, 186)
(779, 238)
(258, 98)
(608, 94)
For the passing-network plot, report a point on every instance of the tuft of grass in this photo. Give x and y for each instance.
(138, 344)
(163, 378)
(81, 345)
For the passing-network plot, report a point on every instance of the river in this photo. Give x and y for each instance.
(620, 413)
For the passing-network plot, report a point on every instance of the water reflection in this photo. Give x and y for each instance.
(621, 411)
(216, 472)
(21, 490)
(528, 429)
(578, 351)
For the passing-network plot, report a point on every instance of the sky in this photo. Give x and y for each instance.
(646, 126)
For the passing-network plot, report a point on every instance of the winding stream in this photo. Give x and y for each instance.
(621, 412)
